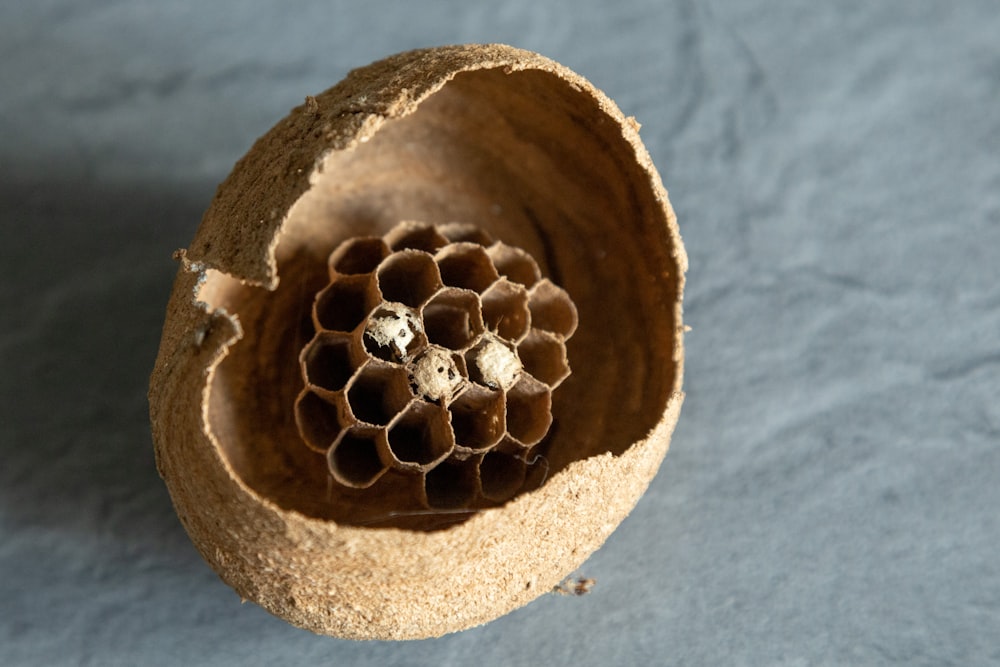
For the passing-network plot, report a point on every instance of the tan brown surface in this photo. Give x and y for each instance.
(491, 135)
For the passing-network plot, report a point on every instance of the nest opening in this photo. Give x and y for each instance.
(505, 310)
(420, 437)
(450, 486)
(453, 319)
(344, 305)
(359, 255)
(477, 418)
(354, 459)
(409, 278)
(328, 362)
(467, 266)
(501, 475)
(538, 165)
(378, 393)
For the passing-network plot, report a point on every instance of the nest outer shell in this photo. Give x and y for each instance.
(350, 581)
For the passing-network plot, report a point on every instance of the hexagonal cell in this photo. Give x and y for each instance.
(493, 362)
(415, 236)
(353, 460)
(358, 255)
(514, 263)
(378, 393)
(552, 309)
(501, 475)
(394, 333)
(466, 265)
(451, 485)
(344, 303)
(409, 277)
(463, 232)
(420, 437)
(319, 420)
(544, 356)
(437, 374)
(329, 360)
(453, 318)
(529, 410)
(505, 310)
(478, 418)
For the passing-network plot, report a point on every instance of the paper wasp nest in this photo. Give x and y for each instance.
(368, 427)
(435, 355)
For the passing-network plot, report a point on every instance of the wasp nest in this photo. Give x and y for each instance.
(357, 418)
(435, 355)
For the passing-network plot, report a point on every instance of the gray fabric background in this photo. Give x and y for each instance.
(832, 492)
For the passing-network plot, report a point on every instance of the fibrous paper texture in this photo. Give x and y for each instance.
(531, 154)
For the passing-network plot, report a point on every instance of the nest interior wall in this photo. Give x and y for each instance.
(538, 165)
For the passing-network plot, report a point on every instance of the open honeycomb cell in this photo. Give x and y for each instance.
(354, 459)
(421, 437)
(478, 418)
(529, 410)
(345, 303)
(320, 420)
(466, 265)
(515, 264)
(551, 309)
(360, 255)
(378, 392)
(463, 232)
(453, 484)
(409, 277)
(501, 475)
(505, 310)
(415, 236)
(453, 318)
(329, 360)
(544, 356)
(435, 356)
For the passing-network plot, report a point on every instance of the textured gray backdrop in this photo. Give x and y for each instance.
(833, 490)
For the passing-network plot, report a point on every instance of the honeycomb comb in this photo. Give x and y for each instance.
(435, 355)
